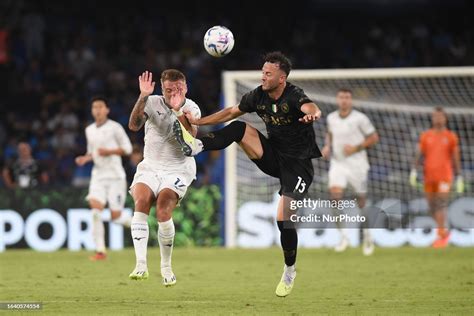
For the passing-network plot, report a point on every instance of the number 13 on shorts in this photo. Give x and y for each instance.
(300, 185)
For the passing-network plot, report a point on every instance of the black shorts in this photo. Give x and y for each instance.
(296, 175)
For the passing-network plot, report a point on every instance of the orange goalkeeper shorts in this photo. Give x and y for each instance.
(437, 186)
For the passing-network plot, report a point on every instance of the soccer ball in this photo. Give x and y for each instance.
(218, 41)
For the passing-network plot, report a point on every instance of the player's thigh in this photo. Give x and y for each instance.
(97, 195)
(95, 204)
(357, 179)
(143, 197)
(144, 187)
(116, 194)
(251, 144)
(269, 160)
(165, 204)
(296, 176)
(173, 188)
(337, 181)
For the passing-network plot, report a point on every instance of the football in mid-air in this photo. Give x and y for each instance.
(218, 41)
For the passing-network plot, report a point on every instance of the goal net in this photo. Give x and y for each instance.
(399, 102)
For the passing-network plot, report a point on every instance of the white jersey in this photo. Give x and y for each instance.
(161, 148)
(349, 130)
(109, 135)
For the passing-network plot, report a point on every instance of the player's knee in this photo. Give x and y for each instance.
(336, 193)
(142, 204)
(115, 214)
(238, 129)
(163, 215)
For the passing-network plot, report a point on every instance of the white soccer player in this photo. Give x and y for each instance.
(165, 173)
(106, 143)
(350, 133)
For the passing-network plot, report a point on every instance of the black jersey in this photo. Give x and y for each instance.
(286, 133)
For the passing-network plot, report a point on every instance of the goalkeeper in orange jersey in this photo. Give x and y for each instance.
(440, 149)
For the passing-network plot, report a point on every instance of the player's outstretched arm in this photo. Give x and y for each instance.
(138, 115)
(416, 164)
(82, 160)
(326, 151)
(222, 116)
(457, 168)
(125, 146)
(313, 113)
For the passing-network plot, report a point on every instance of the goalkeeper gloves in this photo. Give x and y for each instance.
(413, 182)
(459, 184)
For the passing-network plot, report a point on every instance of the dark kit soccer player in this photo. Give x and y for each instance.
(287, 152)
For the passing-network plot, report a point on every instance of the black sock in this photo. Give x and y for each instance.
(289, 243)
(234, 132)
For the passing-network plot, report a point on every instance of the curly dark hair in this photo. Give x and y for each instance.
(278, 58)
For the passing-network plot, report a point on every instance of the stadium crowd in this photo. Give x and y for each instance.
(53, 61)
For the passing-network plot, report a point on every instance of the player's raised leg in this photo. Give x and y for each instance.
(98, 230)
(167, 201)
(220, 139)
(143, 197)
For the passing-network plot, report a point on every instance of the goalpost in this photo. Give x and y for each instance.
(399, 102)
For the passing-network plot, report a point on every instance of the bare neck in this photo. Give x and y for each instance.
(439, 128)
(276, 94)
(99, 123)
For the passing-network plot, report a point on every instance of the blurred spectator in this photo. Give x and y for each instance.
(24, 172)
(131, 163)
(55, 56)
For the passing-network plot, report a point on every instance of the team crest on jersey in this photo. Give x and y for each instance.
(274, 108)
(285, 108)
(261, 107)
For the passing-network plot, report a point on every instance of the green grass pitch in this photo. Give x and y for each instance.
(221, 281)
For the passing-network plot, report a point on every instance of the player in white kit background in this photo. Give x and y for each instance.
(165, 172)
(107, 142)
(350, 133)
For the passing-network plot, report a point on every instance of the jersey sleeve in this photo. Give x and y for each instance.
(366, 126)
(151, 100)
(123, 140)
(89, 144)
(328, 123)
(299, 98)
(195, 111)
(421, 143)
(454, 142)
(248, 103)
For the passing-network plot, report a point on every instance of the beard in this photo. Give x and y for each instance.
(269, 88)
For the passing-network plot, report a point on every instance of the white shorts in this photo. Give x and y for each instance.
(158, 179)
(111, 191)
(341, 175)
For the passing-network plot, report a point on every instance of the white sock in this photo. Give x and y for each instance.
(366, 234)
(165, 239)
(140, 236)
(98, 230)
(124, 219)
(343, 232)
(290, 269)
